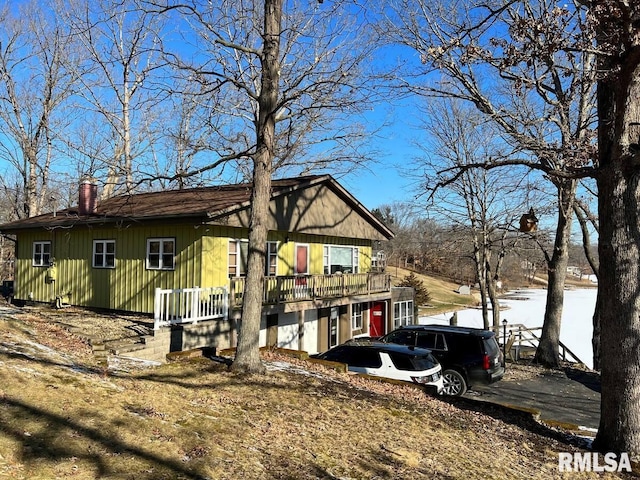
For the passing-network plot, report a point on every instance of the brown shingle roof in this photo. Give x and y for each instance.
(193, 202)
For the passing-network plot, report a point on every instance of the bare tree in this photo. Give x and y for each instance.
(618, 39)
(482, 204)
(322, 77)
(188, 133)
(278, 85)
(528, 68)
(34, 85)
(588, 222)
(119, 44)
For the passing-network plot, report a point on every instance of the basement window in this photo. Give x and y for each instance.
(402, 313)
(356, 316)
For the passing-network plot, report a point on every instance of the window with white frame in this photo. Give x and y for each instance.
(104, 253)
(239, 254)
(271, 266)
(402, 313)
(343, 259)
(356, 316)
(41, 254)
(161, 253)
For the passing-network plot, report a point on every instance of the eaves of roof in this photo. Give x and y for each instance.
(205, 203)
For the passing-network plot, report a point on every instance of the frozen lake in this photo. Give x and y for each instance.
(527, 307)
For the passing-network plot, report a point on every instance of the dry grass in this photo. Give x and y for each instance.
(65, 416)
(444, 293)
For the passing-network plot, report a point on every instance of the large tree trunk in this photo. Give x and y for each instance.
(619, 243)
(248, 352)
(595, 338)
(619, 296)
(31, 187)
(547, 353)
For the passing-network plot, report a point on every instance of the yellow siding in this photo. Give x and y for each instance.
(129, 286)
(201, 260)
(365, 259)
(215, 254)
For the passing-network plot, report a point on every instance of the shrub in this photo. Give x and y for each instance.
(422, 295)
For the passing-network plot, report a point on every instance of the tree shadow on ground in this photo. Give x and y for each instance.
(590, 380)
(48, 443)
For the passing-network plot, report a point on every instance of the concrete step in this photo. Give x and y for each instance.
(124, 345)
(127, 348)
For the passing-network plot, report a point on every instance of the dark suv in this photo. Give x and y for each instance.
(468, 355)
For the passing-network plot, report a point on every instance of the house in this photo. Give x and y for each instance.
(180, 256)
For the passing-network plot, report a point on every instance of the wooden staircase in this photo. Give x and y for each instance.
(522, 342)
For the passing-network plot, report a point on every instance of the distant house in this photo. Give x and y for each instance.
(575, 271)
(181, 256)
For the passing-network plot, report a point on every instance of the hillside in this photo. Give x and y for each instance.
(64, 416)
(444, 293)
(445, 296)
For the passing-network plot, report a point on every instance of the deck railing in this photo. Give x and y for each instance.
(517, 338)
(294, 288)
(189, 305)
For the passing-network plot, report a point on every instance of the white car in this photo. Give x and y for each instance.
(397, 362)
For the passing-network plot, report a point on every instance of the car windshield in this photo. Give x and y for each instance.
(413, 363)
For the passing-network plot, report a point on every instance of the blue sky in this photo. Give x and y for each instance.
(392, 177)
(383, 183)
(378, 184)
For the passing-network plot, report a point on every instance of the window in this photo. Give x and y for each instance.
(353, 356)
(104, 253)
(402, 313)
(161, 253)
(41, 254)
(356, 316)
(413, 363)
(403, 337)
(272, 259)
(341, 259)
(430, 340)
(239, 254)
(364, 358)
(334, 327)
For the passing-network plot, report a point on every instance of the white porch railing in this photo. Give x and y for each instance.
(189, 305)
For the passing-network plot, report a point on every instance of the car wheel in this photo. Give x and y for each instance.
(454, 383)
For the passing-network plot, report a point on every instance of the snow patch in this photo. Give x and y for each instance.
(528, 306)
(116, 363)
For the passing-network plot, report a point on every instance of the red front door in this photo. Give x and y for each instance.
(377, 320)
(302, 259)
